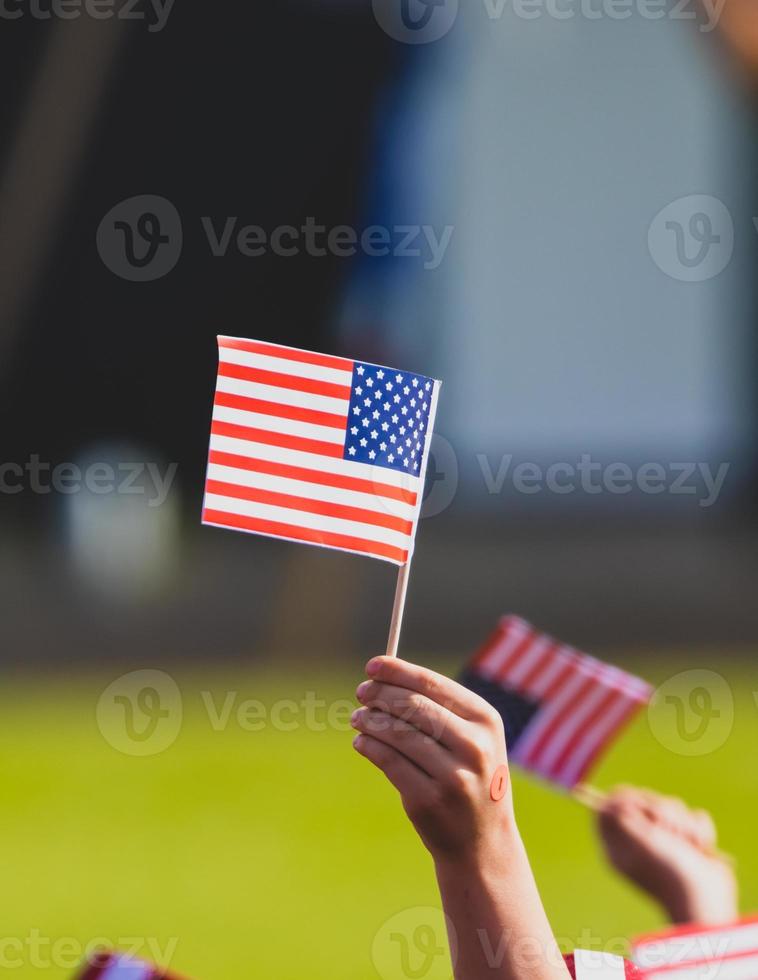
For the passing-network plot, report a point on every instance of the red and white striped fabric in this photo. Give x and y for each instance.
(592, 965)
(319, 449)
(573, 704)
(695, 952)
(115, 966)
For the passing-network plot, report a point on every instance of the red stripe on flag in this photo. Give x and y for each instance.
(634, 707)
(275, 529)
(263, 407)
(290, 381)
(311, 506)
(546, 657)
(559, 680)
(709, 966)
(312, 476)
(690, 929)
(488, 647)
(303, 445)
(606, 702)
(287, 353)
(519, 651)
(554, 725)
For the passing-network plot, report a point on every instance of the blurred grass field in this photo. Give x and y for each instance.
(279, 853)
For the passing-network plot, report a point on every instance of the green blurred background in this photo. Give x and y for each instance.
(280, 853)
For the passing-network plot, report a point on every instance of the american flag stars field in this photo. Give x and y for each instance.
(388, 416)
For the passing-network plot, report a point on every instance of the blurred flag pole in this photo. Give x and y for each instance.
(401, 591)
(595, 799)
(591, 797)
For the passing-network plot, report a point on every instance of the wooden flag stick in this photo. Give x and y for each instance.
(595, 799)
(401, 591)
(589, 796)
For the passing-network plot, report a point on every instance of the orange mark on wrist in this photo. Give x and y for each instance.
(499, 783)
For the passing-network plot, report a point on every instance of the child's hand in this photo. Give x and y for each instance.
(663, 847)
(443, 748)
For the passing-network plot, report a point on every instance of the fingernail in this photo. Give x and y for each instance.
(362, 689)
(355, 716)
(373, 667)
(357, 741)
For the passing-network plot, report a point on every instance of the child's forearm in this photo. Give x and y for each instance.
(443, 748)
(498, 926)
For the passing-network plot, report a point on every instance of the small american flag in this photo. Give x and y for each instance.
(694, 952)
(321, 449)
(561, 708)
(115, 966)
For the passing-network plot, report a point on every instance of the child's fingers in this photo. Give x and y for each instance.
(407, 778)
(705, 828)
(421, 712)
(669, 813)
(421, 749)
(436, 687)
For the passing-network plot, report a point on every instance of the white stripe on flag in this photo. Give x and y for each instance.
(597, 736)
(594, 965)
(570, 726)
(611, 677)
(737, 968)
(545, 678)
(285, 365)
(304, 488)
(703, 944)
(317, 522)
(531, 738)
(328, 464)
(272, 423)
(284, 396)
(528, 660)
(509, 639)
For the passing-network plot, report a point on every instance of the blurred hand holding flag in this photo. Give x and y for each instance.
(561, 708)
(320, 449)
